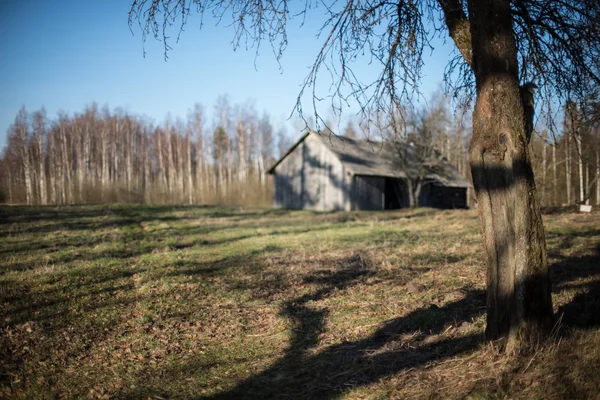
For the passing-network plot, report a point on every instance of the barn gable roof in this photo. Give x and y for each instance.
(375, 158)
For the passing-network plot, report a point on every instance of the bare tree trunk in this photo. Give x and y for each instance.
(412, 202)
(201, 171)
(87, 163)
(229, 168)
(52, 168)
(170, 165)
(543, 196)
(116, 137)
(417, 195)
(587, 182)
(260, 166)
(146, 165)
(597, 174)
(9, 184)
(568, 167)
(240, 134)
(65, 159)
(21, 127)
(128, 149)
(519, 305)
(580, 165)
(34, 175)
(447, 140)
(60, 174)
(104, 149)
(39, 134)
(218, 179)
(161, 165)
(190, 184)
(200, 156)
(554, 181)
(180, 168)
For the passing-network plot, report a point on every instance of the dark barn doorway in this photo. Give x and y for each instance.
(396, 195)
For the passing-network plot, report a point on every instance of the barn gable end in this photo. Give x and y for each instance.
(310, 176)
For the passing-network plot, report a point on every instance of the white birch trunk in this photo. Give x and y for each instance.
(24, 152)
(190, 183)
(42, 170)
(161, 165)
(9, 184)
(170, 172)
(66, 167)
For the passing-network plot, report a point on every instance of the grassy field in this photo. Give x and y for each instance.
(206, 302)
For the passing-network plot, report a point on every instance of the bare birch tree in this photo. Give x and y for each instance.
(39, 133)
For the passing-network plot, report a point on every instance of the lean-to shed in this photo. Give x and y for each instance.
(327, 172)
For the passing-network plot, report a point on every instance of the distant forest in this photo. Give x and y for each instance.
(103, 155)
(106, 156)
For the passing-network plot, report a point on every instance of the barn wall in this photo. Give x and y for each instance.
(311, 177)
(368, 193)
(325, 187)
(425, 196)
(288, 180)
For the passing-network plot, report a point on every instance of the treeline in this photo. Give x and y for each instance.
(101, 155)
(567, 168)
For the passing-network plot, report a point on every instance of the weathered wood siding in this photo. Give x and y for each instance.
(368, 193)
(311, 177)
(425, 199)
(288, 181)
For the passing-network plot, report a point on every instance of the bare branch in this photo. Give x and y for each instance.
(458, 27)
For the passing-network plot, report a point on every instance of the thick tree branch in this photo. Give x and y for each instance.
(458, 27)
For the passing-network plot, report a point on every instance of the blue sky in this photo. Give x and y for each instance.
(65, 55)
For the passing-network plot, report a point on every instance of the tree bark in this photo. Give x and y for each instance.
(162, 177)
(170, 164)
(554, 181)
(21, 127)
(519, 305)
(188, 159)
(597, 174)
(587, 182)
(104, 155)
(66, 168)
(543, 196)
(52, 168)
(568, 166)
(579, 164)
(9, 180)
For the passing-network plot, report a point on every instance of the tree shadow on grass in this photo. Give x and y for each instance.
(343, 366)
(581, 273)
(304, 372)
(48, 219)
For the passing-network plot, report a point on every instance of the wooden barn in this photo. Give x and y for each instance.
(326, 172)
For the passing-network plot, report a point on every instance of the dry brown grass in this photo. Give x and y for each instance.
(199, 302)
